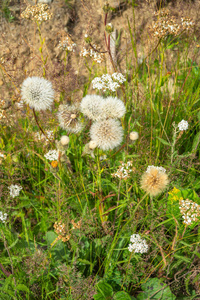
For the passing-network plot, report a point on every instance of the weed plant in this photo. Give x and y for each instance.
(100, 197)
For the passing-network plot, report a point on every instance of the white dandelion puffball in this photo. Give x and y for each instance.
(64, 140)
(134, 135)
(183, 125)
(37, 92)
(91, 106)
(108, 134)
(113, 108)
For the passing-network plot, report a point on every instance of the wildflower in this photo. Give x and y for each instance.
(190, 211)
(41, 137)
(37, 92)
(67, 43)
(123, 172)
(138, 245)
(64, 140)
(88, 151)
(39, 13)
(68, 117)
(108, 82)
(108, 134)
(91, 106)
(154, 180)
(3, 157)
(109, 28)
(3, 217)
(94, 52)
(52, 155)
(60, 229)
(14, 190)
(113, 108)
(133, 135)
(183, 125)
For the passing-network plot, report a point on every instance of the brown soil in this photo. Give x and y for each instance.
(19, 44)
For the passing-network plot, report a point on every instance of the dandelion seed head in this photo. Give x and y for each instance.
(154, 181)
(68, 117)
(37, 92)
(108, 134)
(113, 108)
(91, 106)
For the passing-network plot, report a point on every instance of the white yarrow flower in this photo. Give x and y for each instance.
(52, 155)
(37, 92)
(183, 125)
(14, 190)
(138, 244)
(3, 217)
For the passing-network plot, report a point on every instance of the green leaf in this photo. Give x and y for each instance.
(163, 141)
(155, 288)
(183, 258)
(22, 287)
(104, 289)
(122, 296)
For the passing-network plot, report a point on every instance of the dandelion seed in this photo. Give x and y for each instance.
(37, 92)
(154, 181)
(14, 190)
(113, 108)
(91, 106)
(108, 134)
(68, 117)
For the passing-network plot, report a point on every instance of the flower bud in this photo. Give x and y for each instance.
(64, 140)
(134, 136)
(92, 145)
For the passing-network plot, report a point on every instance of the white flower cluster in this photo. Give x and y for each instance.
(138, 245)
(3, 217)
(124, 170)
(190, 211)
(41, 137)
(68, 44)
(97, 56)
(52, 155)
(2, 155)
(106, 82)
(183, 125)
(39, 12)
(14, 190)
(160, 169)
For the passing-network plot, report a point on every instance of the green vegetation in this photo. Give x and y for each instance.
(67, 231)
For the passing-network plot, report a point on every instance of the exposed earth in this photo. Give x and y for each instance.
(19, 44)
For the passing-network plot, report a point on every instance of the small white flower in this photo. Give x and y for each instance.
(3, 217)
(52, 155)
(14, 190)
(134, 135)
(183, 125)
(64, 140)
(138, 245)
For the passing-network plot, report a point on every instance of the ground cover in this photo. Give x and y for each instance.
(99, 150)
